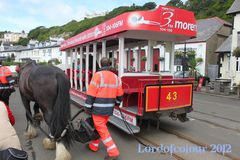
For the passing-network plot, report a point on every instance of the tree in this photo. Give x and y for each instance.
(236, 52)
(176, 3)
(201, 8)
(23, 41)
(1, 34)
(12, 57)
(149, 5)
(191, 61)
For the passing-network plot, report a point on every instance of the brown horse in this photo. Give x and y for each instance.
(48, 87)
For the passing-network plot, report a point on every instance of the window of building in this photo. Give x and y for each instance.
(49, 52)
(44, 52)
(238, 64)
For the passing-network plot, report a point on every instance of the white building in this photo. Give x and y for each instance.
(9, 51)
(211, 34)
(231, 65)
(14, 36)
(92, 15)
(200, 49)
(42, 52)
(38, 51)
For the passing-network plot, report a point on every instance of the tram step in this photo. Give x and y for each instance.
(76, 100)
(114, 120)
(120, 124)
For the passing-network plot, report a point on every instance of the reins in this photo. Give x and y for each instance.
(52, 138)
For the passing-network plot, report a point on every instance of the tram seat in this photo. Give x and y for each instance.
(131, 84)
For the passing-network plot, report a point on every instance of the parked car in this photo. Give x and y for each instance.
(179, 74)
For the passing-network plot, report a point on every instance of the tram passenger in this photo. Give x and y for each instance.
(104, 92)
(6, 83)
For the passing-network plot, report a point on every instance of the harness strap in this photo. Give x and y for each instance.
(64, 131)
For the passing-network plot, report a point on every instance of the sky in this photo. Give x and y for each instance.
(19, 15)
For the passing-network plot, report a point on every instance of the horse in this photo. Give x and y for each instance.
(48, 87)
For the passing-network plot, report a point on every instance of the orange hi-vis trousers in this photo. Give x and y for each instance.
(100, 123)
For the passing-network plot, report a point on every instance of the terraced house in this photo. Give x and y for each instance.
(38, 51)
(230, 64)
(211, 33)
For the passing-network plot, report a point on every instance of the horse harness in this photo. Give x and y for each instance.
(69, 125)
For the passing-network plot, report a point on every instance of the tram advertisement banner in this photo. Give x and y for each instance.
(164, 19)
(166, 97)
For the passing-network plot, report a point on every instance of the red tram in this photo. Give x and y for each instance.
(140, 45)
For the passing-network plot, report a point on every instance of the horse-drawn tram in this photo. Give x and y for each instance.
(140, 45)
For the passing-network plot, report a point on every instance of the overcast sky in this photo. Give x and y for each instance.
(18, 15)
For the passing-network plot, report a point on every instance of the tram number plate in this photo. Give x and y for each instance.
(129, 118)
(168, 97)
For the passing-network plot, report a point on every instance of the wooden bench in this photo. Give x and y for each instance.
(131, 84)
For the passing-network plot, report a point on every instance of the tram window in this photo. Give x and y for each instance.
(155, 68)
(110, 55)
(238, 64)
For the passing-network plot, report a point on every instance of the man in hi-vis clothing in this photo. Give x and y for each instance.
(104, 92)
(6, 83)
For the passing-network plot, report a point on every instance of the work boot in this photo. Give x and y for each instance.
(111, 157)
(93, 149)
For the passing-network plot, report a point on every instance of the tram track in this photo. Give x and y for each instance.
(229, 119)
(196, 142)
(215, 124)
(177, 157)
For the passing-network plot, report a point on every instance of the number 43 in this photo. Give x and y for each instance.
(171, 96)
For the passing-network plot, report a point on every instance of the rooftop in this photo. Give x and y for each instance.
(235, 8)
(226, 45)
(206, 28)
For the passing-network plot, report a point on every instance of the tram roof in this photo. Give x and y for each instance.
(164, 23)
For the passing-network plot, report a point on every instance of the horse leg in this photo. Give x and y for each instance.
(37, 115)
(48, 143)
(30, 130)
(61, 152)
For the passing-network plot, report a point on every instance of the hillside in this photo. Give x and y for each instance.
(72, 28)
(1, 34)
(205, 8)
(201, 8)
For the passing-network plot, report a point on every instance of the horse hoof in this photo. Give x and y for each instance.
(30, 135)
(62, 153)
(49, 144)
(31, 132)
(38, 117)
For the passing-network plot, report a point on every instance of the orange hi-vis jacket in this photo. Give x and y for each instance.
(6, 79)
(104, 92)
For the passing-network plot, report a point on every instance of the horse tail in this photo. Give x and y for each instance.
(61, 111)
